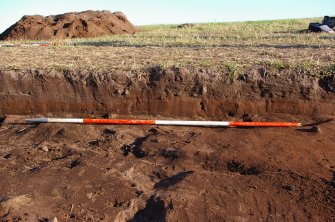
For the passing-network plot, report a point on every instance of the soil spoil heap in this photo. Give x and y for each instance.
(85, 24)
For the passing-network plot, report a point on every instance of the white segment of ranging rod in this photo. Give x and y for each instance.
(55, 120)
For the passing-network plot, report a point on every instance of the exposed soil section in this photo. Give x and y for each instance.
(171, 93)
(149, 173)
(85, 24)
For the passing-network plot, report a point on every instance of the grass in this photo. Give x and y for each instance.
(227, 47)
(282, 33)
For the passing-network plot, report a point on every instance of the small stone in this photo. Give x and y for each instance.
(89, 195)
(54, 219)
(204, 90)
(119, 92)
(21, 130)
(125, 92)
(253, 186)
(45, 148)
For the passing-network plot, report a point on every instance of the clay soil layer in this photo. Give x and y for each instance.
(151, 173)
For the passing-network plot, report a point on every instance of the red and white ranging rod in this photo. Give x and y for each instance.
(164, 122)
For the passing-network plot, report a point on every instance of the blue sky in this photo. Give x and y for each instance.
(142, 12)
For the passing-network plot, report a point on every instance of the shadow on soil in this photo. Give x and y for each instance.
(237, 167)
(328, 83)
(320, 122)
(2, 120)
(332, 181)
(154, 210)
(135, 148)
(171, 181)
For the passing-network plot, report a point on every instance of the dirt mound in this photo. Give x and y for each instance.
(85, 24)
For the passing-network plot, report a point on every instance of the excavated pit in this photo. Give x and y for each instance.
(172, 93)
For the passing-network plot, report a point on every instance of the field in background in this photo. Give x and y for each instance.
(278, 33)
(232, 47)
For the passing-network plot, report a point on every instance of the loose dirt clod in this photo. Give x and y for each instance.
(45, 148)
(69, 25)
(108, 132)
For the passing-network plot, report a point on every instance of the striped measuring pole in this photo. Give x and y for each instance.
(164, 122)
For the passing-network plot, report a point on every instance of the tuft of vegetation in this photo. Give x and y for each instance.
(332, 67)
(232, 70)
(277, 64)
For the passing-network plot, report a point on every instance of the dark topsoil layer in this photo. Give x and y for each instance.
(85, 24)
(166, 173)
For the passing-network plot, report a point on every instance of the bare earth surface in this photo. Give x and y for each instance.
(145, 173)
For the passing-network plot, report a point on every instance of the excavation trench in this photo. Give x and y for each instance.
(170, 93)
(149, 173)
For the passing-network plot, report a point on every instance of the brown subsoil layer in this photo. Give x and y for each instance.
(85, 24)
(151, 173)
